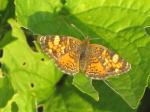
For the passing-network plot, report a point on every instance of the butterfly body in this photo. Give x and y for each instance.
(72, 55)
(83, 54)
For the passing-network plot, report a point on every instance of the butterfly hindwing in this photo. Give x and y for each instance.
(102, 63)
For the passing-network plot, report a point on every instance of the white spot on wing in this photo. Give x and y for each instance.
(115, 58)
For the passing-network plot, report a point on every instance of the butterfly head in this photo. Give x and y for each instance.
(87, 40)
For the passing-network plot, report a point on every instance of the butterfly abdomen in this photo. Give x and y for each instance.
(84, 55)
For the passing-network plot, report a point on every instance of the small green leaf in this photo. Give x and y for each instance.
(6, 40)
(84, 84)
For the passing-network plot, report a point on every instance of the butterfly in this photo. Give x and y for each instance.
(72, 55)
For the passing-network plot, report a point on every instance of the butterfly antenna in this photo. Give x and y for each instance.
(94, 38)
(77, 29)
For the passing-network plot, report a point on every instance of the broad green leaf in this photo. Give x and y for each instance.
(84, 84)
(118, 24)
(68, 99)
(115, 23)
(26, 70)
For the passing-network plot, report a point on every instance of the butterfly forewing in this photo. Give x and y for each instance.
(65, 51)
(102, 63)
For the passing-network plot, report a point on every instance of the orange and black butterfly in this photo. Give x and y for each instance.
(72, 55)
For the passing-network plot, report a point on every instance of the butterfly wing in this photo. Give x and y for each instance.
(102, 62)
(64, 50)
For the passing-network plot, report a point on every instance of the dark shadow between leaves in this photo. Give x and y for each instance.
(5, 69)
(1, 53)
(145, 103)
(30, 39)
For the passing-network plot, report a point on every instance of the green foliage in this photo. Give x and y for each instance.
(26, 71)
(31, 78)
(147, 30)
(3, 4)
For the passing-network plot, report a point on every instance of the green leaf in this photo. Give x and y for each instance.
(144, 51)
(118, 24)
(26, 70)
(84, 84)
(68, 99)
(3, 4)
(115, 23)
(34, 7)
(6, 91)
